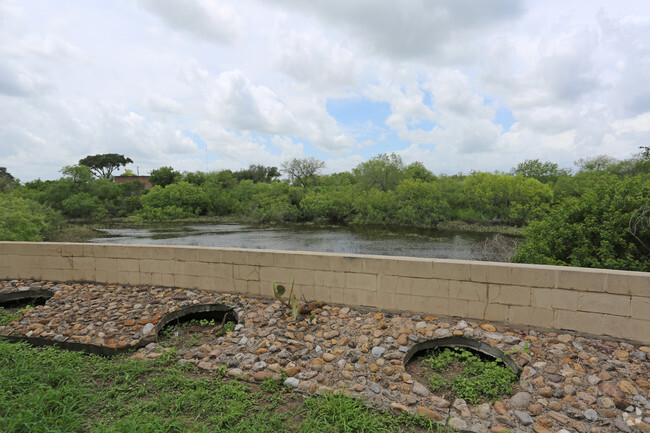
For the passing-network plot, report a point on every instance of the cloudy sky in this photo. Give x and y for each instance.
(455, 84)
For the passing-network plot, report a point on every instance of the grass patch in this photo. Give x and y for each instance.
(462, 226)
(45, 389)
(467, 375)
(9, 315)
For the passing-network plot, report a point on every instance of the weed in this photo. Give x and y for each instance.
(292, 302)
(6, 317)
(50, 390)
(478, 379)
(437, 382)
(525, 349)
(227, 328)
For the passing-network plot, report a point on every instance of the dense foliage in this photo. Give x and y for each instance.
(603, 228)
(579, 219)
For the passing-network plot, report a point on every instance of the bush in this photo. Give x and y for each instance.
(180, 198)
(84, 205)
(26, 220)
(593, 230)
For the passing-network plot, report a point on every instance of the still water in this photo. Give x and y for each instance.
(356, 240)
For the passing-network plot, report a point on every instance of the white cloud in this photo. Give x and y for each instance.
(315, 60)
(204, 19)
(18, 81)
(439, 31)
(161, 104)
(573, 76)
(49, 47)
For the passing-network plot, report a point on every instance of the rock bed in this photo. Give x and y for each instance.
(568, 383)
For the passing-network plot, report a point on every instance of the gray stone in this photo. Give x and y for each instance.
(523, 417)
(521, 400)
(593, 379)
(261, 365)
(243, 341)
(457, 423)
(374, 387)
(291, 382)
(420, 390)
(234, 372)
(622, 425)
(442, 332)
(146, 329)
(377, 351)
(494, 336)
(483, 410)
(591, 415)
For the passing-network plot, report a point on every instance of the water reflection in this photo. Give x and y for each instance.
(356, 240)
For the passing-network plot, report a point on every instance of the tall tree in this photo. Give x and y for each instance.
(595, 163)
(102, 166)
(545, 172)
(6, 179)
(303, 170)
(257, 173)
(383, 171)
(164, 176)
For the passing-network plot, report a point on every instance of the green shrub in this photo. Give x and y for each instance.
(594, 230)
(26, 220)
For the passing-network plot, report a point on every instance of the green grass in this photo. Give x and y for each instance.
(6, 317)
(477, 379)
(48, 390)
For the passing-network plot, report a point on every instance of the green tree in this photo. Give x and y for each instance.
(257, 173)
(545, 172)
(164, 176)
(595, 163)
(178, 200)
(421, 203)
(418, 171)
(303, 170)
(502, 198)
(26, 220)
(103, 166)
(383, 172)
(78, 174)
(83, 205)
(7, 180)
(333, 204)
(593, 230)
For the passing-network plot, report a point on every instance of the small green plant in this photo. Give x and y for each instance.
(292, 302)
(220, 371)
(478, 379)
(227, 328)
(437, 382)
(525, 349)
(271, 385)
(7, 317)
(195, 340)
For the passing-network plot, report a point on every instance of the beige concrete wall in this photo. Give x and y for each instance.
(592, 301)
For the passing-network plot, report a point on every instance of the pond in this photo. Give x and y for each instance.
(345, 239)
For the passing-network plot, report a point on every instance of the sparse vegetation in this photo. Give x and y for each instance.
(49, 390)
(464, 374)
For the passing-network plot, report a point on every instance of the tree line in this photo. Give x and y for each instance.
(597, 216)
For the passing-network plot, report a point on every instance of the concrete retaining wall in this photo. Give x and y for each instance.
(592, 301)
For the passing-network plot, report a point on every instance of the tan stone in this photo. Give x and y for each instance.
(431, 414)
(488, 327)
(627, 387)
